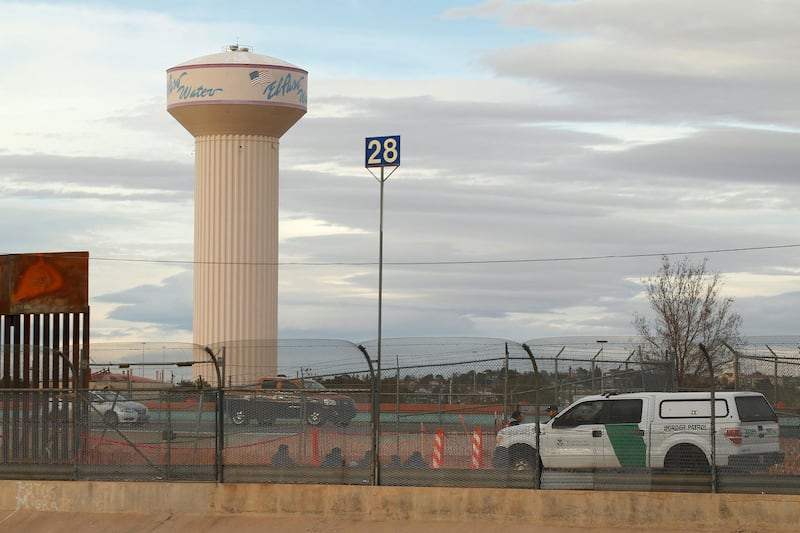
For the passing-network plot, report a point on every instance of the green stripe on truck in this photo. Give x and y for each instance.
(628, 443)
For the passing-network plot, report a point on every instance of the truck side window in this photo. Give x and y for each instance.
(622, 412)
(268, 385)
(583, 413)
(289, 386)
(755, 409)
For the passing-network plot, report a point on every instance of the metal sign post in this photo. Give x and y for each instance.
(380, 152)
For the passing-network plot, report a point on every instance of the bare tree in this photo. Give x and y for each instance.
(689, 310)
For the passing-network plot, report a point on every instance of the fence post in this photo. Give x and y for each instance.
(374, 387)
(537, 471)
(713, 420)
(735, 365)
(220, 415)
(775, 377)
(505, 387)
(556, 395)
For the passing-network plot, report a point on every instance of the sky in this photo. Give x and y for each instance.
(552, 152)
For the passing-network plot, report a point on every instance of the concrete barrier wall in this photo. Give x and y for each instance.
(601, 509)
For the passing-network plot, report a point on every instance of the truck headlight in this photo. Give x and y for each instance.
(329, 402)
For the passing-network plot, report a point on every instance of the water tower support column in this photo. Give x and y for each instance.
(236, 247)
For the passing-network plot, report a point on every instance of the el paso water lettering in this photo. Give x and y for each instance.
(286, 85)
(186, 92)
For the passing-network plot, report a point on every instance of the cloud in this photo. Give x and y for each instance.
(670, 61)
(723, 155)
(167, 305)
(47, 175)
(552, 133)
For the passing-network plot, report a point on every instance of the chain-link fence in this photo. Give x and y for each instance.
(427, 413)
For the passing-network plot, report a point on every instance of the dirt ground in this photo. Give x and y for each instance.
(54, 522)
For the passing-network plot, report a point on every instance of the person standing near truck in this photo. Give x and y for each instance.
(516, 418)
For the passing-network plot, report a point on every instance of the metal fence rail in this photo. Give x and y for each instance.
(437, 419)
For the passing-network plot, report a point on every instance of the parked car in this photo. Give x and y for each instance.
(106, 406)
(113, 408)
(282, 397)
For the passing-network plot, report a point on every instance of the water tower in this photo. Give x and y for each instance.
(237, 105)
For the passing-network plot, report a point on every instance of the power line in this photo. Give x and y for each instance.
(462, 262)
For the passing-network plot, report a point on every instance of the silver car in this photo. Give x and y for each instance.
(113, 408)
(106, 406)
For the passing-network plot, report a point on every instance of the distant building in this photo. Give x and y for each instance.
(125, 381)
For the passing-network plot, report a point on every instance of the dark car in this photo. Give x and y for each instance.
(287, 398)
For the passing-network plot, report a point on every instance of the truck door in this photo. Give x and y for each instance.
(291, 400)
(575, 438)
(268, 405)
(624, 444)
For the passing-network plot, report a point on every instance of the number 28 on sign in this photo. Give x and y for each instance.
(383, 151)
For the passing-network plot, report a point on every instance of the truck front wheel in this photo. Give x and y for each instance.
(239, 417)
(522, 458)
(314, 417)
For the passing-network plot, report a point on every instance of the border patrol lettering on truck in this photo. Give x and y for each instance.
(669, 428)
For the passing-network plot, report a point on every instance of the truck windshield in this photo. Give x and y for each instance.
(311, 384)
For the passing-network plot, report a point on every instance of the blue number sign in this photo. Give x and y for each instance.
(383, 151)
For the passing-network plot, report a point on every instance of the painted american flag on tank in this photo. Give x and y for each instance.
(257, 77)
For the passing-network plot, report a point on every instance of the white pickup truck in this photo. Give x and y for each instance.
(656, 430)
